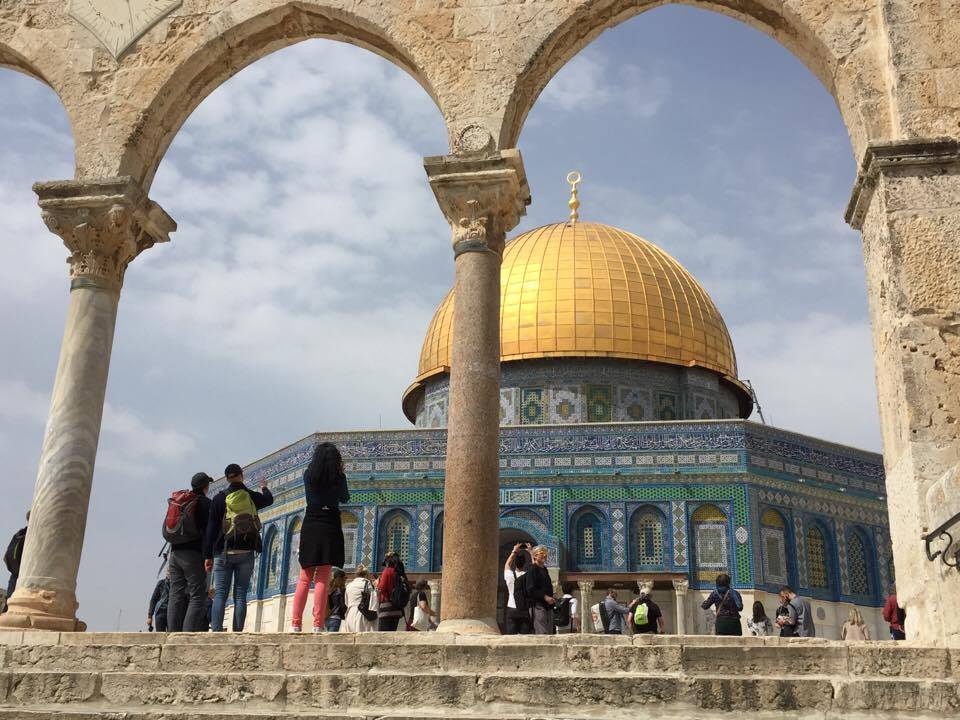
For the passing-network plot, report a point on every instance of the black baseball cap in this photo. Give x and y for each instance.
(200, 481)
(233, 469)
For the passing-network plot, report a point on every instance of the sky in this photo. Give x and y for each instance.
(311, 255)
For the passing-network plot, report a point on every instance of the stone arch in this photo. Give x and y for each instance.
(821, 49)
(776, 549)
(292, 545)
(820, 547)
(712, 543)
(271, 562)
(249, 30)
(861, 566)
(350, 524)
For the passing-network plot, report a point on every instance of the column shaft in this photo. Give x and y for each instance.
(472, 488)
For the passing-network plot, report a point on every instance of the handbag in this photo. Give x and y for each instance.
(364, 605)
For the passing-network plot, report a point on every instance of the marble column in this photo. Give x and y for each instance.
(680, 587)
(907, 203)
(482, 198)
(586, 594)
(435, 596)
(104, 224)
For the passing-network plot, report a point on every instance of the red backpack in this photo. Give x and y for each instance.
(180, 525)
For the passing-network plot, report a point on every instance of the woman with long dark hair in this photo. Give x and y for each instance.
(321, 537)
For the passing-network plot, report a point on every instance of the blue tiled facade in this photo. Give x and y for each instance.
(688, 498)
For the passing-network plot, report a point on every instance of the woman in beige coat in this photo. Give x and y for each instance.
(854, 628)
(355, 621)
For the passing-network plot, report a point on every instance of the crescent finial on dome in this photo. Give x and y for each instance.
(574, 179)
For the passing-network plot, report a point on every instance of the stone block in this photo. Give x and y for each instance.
(29, 688)
(88, 658)
(215, 657)
(191, 687)
(584, 692)
(313, 657)
(879, 695)
(898, 660)
(218, 638)
(447, 690)
(411, 657)
(43, 637)
(110, 638)
(323, 690)
(762, 694)
(623, 658)
(11, 637)
(765, 660)
(505, 658)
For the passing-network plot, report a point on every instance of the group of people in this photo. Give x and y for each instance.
(643, 615)
(532, 607)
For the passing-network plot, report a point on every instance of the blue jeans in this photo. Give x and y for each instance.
(235, 568)
(333, 624)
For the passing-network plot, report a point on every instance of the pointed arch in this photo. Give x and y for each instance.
(648, 538)
(436, 554)
(293, 552)
(588, 539)
(350, 524)
(711, 542)
(820, 558)
(396, 531)
(774, 548)
(272, 561)
(861, 567)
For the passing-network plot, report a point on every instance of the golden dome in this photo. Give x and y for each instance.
(591, 290)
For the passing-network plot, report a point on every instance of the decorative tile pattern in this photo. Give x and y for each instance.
(531, 406)
(858, 566)
(599, 403)
(423, 537)
(668, 407)
(618, 538)
(817, 572)
(646, 537)
(679, 513)
(800, 551)
(566, 405)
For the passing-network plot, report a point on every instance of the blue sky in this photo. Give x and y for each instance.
(311, 255)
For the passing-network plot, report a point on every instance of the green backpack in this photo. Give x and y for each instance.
(640, 615)
(241, 524)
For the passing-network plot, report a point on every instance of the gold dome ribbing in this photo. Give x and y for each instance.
(591, 290)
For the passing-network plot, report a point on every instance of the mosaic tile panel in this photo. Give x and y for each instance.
(423, 536)
(618, 537)
(531, 406)
(679, 522)
(599, 403)
(800, 551)
(858, 568)
(668, 407)
(509, 406)
(634, 404)
(565, 405)
(842, 559)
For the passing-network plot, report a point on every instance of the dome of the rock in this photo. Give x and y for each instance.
(589, 290)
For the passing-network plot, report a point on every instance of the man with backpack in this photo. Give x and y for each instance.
(185, 528)
(233, 541)
(12, 559)
(565, 612)
(645, 614)
(157, 611)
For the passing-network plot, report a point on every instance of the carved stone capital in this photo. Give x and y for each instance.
(911, 156)
(104, 224)
(681, 585)
(482, 198)
(645, 585)
(586, 586)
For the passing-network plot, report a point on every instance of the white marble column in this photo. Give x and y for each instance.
(586, 594)
(680, 588)
(482, 198)
(907, 204)
(435, 596)
(105, 225)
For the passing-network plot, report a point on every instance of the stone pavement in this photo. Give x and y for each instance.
(77, 676)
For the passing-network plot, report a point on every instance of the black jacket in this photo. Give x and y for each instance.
(160, 598)
(14, 552)
(218, 508)
(203, 519)
(538, 585)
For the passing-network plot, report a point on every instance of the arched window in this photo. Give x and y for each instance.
(274, 561)
(529, 516)
(773, 546)
(437, 561)
(710, 542)
(396, 536)
(293, 568)
(350, 524)
(859, 567)
(647, 538)
(588, 539)
(818, 565)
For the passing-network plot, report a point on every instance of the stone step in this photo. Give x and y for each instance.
(429, 652)
(359, 691)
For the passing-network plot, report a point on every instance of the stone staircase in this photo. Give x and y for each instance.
(81, 676)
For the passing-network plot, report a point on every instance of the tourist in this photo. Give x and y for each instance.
(565, 612)
(159, 604)
(782, 621)
(800, 614)
(760, 625)
(615, 612)
(538, 586)
(645, 615)
(728, 603)
(210, 593)
(390, 610)
(186, 610)
(336, 601)
(895, 617)
(321, 536)
(854, 628)
(423, 614)
(360, 597)
(519, 619)
(233, 541)
(12, 559)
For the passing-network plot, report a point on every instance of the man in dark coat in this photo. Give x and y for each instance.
(13, 557)
(187, 610)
